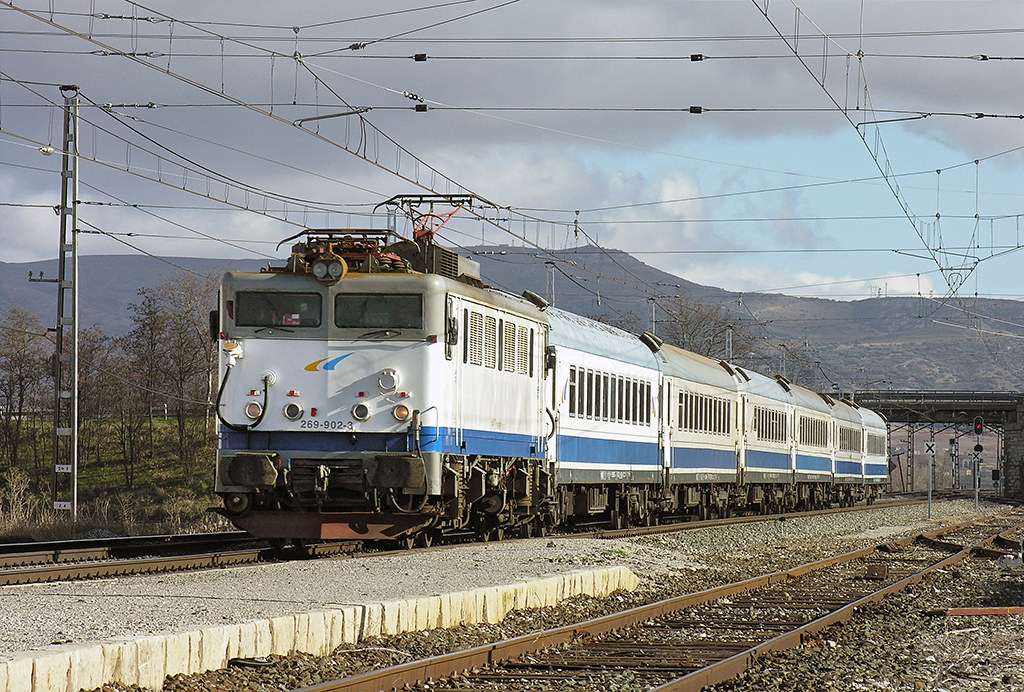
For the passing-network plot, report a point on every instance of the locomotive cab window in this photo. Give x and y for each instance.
(378, 311)
(277, 309)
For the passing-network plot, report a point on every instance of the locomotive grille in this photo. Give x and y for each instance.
(441, 260)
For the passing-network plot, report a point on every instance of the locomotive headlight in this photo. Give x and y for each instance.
(253, 410)
(401, 412)
(320, 269)
(293, 411)
(388, 380)
(335, 269)
(361, 412)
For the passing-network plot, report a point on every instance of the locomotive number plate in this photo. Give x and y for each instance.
(313, 424)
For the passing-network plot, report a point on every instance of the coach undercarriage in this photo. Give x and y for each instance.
(383, 496)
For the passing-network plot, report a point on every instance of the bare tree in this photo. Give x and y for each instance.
(697, 325)
(173, 349)
(23, 357)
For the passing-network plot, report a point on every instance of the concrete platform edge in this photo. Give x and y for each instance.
(146, 661)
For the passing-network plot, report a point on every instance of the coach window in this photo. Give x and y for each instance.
(614, 411)
(378, 311)
(580, 395)
(277, 309)
(590, 393)
(572, 390)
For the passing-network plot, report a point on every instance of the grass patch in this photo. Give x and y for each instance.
(158, 494)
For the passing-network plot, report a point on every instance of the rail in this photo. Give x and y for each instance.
(685, 643)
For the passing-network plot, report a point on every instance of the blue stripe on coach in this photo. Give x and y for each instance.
(760, 460)
(592, 450)
(805, 462)
(701, 458)
(876, 470)
(848, 468)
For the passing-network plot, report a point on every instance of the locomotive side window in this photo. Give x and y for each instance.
(378, 311)
(490, 342)
(277, 309)
(525, 352)
(476, 338)
(509, 347)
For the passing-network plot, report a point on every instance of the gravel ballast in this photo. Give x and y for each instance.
(36, 616)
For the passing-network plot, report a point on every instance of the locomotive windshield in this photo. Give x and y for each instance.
(378, 311)
(277, 309)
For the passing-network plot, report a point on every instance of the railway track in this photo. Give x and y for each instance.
(33, 563)
(741, 519)
(690, 641)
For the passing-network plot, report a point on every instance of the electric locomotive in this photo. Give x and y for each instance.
(371, 388)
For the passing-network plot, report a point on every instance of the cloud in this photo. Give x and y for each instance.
(624, 141)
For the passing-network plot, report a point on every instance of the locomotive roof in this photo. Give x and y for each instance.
(583, 334)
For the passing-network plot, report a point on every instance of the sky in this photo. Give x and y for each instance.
(838, 149)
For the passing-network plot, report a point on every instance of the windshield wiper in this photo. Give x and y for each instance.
(280, 329)
(381, 333)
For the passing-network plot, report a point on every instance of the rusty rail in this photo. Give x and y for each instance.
(727, 658)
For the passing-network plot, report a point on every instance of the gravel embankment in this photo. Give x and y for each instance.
(669, 564)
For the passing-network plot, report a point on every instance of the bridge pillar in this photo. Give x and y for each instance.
(1012, 483)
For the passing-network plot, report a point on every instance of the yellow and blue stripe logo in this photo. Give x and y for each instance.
(326, 364)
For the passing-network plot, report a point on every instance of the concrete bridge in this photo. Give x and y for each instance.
(955, 412)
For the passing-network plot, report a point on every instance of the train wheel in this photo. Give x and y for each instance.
(424, 539)
(407, 542)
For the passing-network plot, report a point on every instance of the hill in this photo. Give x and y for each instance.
(903, 343)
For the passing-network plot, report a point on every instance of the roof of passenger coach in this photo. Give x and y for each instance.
(762, 385)
(693, 367)
(583, 334)
(846, 413)
(872, 420)
(808, 399)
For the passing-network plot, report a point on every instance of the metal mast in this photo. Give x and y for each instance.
(65, 366)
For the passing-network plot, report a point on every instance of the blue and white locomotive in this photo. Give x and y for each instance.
(373, 388)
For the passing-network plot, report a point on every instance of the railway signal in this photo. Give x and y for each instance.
(979, 425)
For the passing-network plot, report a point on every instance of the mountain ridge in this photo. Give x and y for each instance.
(878, 342)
